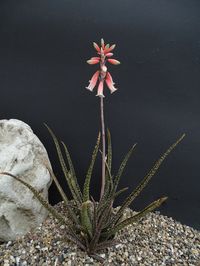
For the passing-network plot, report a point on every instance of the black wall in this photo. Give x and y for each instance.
(44, 46)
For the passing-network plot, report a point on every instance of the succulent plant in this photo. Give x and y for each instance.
(93, 225)
(89, 224)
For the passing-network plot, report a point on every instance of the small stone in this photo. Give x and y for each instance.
(195, 252)
(8, 244)
(69, 263)
(118, 246)
(17, 259)
(126, 254)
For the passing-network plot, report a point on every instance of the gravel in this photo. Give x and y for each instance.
(155, 241)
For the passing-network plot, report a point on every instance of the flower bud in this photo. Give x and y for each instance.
(113, 61)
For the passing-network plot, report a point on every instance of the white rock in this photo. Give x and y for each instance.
(21, 154)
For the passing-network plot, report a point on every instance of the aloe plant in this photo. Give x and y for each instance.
(93, 225)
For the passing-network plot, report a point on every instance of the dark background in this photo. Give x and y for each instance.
(44, 45)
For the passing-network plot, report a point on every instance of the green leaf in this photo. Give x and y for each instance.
(72, 171)
(85, 220)
(74, 239)
(146, 180)
(122, 166)
(64, 167)
(100, 225)
(94, 220)
(109, 188)
(108, 196)
(120, 192)
(86, 187)
(136, 217)
(105, 203)
(64, 197)
(106, 244)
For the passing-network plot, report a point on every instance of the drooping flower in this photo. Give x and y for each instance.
(100, 89)
(110, 83)
(93, 81)
(104, 55)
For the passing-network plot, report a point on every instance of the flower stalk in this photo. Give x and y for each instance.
(104, 54)
(103, 148)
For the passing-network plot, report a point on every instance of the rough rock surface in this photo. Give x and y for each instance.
(21, 154)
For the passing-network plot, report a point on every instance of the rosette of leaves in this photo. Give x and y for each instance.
(92, 225)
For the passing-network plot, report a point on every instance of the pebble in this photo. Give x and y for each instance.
(156, 240)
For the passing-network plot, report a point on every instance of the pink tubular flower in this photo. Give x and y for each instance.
(110, 83)
(100, 89)
(104, 54)
(93, 81)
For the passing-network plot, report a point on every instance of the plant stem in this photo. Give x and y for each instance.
(103, 148)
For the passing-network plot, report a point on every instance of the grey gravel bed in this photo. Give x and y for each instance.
(156, 240)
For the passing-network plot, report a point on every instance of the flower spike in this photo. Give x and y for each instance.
(104, 55)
